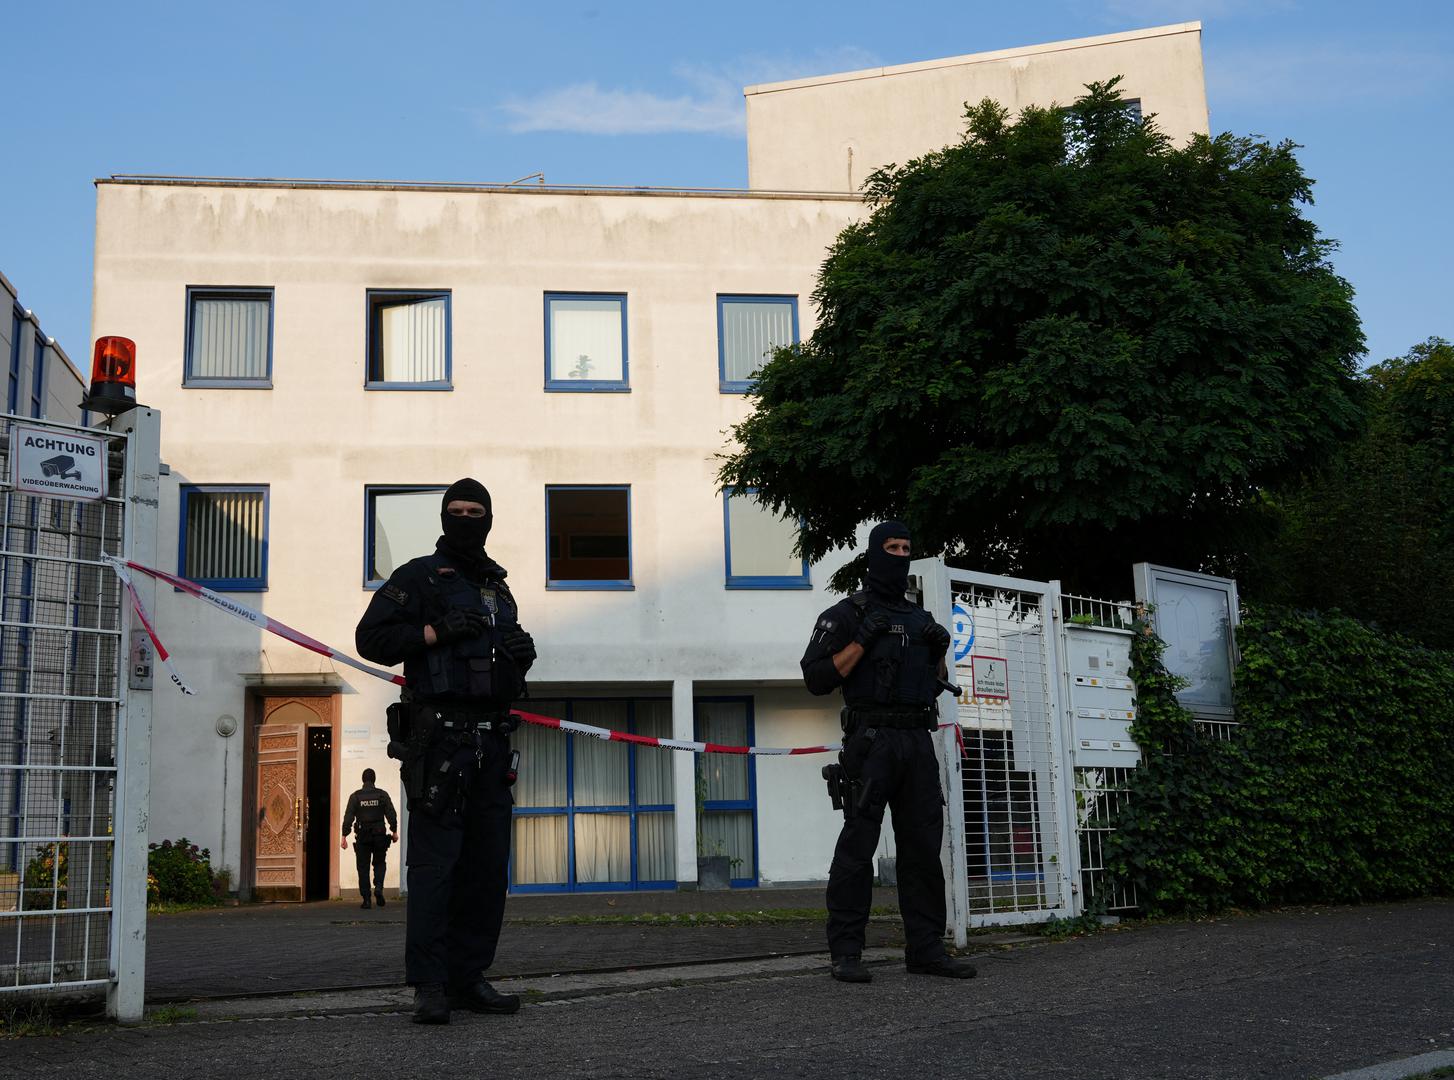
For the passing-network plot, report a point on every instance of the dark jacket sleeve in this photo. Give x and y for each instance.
(831, 633)
(389, 814)
(393, 626)
(349, 813)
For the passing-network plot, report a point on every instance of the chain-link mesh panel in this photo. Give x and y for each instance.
(60, 664)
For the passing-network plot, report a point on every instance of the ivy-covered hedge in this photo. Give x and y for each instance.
(1338, 786)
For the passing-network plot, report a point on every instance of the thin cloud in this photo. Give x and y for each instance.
(709, 101)
(1322, 74)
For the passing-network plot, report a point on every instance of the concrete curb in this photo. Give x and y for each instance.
(1399, 1070)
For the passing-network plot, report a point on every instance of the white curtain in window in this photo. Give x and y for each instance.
(224, 535)
(585, 340)
(761, 541)
(406, 524)
(542, 776)
(656, 845)
(653, 765)
(601, 776)
(603, 848)
(412, 344)
(723, 722)
(750, 330)
(538, 849)
(729, 832)
(229, 338)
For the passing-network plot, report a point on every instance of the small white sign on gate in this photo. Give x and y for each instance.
(989, 677)
(62, 465)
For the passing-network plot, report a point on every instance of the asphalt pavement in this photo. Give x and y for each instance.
(1311, 992)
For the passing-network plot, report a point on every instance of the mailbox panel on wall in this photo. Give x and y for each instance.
(1102, 696)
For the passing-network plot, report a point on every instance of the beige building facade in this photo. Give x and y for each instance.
(327, 357)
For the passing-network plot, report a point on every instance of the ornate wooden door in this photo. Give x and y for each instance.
(280, 761)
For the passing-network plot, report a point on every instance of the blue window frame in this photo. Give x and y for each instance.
(12, 397)
(37, 378)
(229, 338)
(223, 536)
(748, 328)
(585, 342)
(593, 816)
(409, 336)
(759, 545)
(401, 522)
(727, 786)
(588, 536)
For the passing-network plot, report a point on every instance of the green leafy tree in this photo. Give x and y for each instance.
(1372, 533)
(1061, 345)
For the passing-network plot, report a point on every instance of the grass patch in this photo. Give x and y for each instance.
(1433, 1074)
(171, 1014)
(1057, 929)
(25, 1019)
(773, 917)
(172, 907)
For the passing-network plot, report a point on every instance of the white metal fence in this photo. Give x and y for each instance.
(62, 623)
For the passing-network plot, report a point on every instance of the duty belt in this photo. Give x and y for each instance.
(463, 718)
(911, 717)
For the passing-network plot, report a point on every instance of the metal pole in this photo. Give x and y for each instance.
(125, 997)
(1062, 729)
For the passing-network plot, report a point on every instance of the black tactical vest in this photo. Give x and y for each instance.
(369, 812)
(899, 668)
(475, 669)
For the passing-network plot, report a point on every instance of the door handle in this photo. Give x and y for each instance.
(298, 814)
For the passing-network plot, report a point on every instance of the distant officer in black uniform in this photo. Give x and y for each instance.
(888, 656)
(450, 619)
(370, 816)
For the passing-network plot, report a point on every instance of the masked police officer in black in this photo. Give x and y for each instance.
(449, 618)
(370, 814)
(888, 656)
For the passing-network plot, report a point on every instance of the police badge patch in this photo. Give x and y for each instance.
(487, 597)
(826, 623)
(396, 594)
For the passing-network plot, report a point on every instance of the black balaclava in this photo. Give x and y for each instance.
(466, 535)
(887, 575)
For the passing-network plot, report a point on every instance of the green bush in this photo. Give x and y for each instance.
(181, 873)
(45, 884)
(1337, 786)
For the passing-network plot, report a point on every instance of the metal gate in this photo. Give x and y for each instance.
(1012, 859)
(63, 632)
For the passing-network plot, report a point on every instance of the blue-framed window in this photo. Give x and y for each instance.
(727, 786)
(587, 536)
(229, 337)
(748, 329)
(591, 815)
(401, 522)
(408, 339)
(37, 378)
(585, 342)
(17, 323)
(224, 536)
(759, 545)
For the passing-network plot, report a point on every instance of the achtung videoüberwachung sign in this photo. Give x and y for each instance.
(62, 465)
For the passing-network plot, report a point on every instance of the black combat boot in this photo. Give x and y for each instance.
(431, 1004)
(379, 897)
(948, 966)
(850, 969)
(366, 905)
(479, 996)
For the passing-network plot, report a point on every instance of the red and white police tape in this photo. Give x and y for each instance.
(282, 630)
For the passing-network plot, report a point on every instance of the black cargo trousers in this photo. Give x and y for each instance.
(898, 769)
(458, 873)
(371, 846)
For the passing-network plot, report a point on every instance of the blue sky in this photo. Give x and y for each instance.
(650, 93)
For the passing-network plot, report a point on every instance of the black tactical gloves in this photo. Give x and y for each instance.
(520, 646)
(936, 637)
(873, 624)
(458, 625)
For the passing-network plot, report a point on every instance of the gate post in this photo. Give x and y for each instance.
(125, 997)
(1062, 730)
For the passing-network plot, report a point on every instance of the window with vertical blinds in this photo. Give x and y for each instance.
(224, 537)
(229, 337)
(748, 329)
(409, 340)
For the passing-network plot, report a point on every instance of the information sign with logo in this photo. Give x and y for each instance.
(58, 464)
(989, 677)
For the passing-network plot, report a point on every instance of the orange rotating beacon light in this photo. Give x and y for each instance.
(113, 377)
